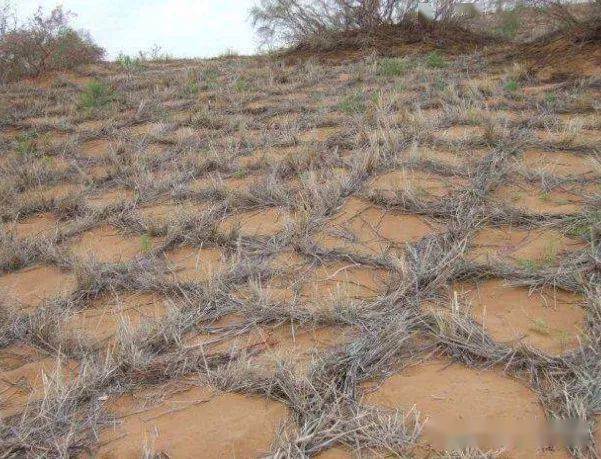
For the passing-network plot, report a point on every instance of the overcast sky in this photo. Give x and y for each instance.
(183, 28)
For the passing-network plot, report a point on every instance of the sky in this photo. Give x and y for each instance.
(182, 28)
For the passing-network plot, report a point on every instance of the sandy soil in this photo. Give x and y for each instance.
(252, 258)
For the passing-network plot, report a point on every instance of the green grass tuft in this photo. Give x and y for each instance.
(392, 67)
(96, 95)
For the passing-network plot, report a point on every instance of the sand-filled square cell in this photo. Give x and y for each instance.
(559, 163)
(422, 184)
(106, 316)
(533, 199)
(368, 229)
(187, 421)
(107, 245)
(462, 406)
(551, 320)
(256, 223)
(43, 225)
(190, 264)
(526, 247)
(33, 285)
(25, 373)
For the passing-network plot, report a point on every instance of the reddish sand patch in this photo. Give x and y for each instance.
(146, 129)
(30, 286)
(263, 222)
(344, 280)
(532, 199)
(185, 422)
(50, 193)
(459, 403)
(107, 245)
(22, 373)
(91, 125)
(284, 121)
(231, 184)
(103, 319)
(259, 106)
(450, 157)
(420, 183)
(559, 163)
(183, 134)
(267, 345)
(597, 433)
(299, 345)
(96, 173)
(541, 89)
(96, 148)
(367, 229)
(110, 198)
(42, 225)
(550, 320)
(170, 212)
(321, 134)
(335, 453)
(270, 156)
(460, 133)
(194, 264)
(180, 117)
(154, 149)
(323, 287)
(571, 134)
(519, 245)
(45, 121)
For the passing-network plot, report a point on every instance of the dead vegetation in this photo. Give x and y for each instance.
(355, 254)
(44, 43)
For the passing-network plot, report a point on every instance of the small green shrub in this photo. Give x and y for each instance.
(511, 86)
(241, 85)
(392, 67)
(353, 104)
(130, 64)
(529, 265)
(435, 60)
(192, 87)
(550, 99)
(582, 231)
(96, 95)
(510, 23)
(27, 145)
(145, 243)
(240, 173)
